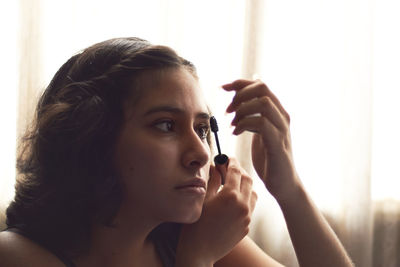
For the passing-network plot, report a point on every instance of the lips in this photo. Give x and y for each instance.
(194, 186)
(196, 182)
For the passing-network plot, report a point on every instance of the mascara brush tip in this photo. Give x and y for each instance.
(213, 124)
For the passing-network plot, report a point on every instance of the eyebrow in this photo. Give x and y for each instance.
(171, 109)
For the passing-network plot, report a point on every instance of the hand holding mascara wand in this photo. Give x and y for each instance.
(220, 160)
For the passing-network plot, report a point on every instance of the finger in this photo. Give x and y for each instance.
(213, 183)
(263, 106)
(222, 168)
(255, 89)
(270, 135)
(246, 182)
(233, 175)
(279, 105)
(253, 201)
(237, 85)
(246, 185)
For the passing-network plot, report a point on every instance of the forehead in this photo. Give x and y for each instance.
(176, 88)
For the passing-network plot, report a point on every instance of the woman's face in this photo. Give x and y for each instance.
(162, 154)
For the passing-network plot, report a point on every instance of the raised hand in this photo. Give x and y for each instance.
(259, 111)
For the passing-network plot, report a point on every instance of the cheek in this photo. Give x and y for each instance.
(155, 154)
(144, 159)
(144, 170)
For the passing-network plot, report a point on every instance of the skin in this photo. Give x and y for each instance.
(259, 111)
(314, 241)
(216, 222)
(161, 146)
(171, 121)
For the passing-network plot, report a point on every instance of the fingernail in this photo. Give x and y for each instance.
(227, 87)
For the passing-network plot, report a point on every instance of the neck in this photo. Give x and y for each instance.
(124, 244)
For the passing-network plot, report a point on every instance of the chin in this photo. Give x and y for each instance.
(192, 219)
(187, 212)
(188, 218)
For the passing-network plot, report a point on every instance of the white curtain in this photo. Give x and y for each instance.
(333, 64)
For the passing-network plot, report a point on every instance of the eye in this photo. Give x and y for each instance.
(202, 131)
(165, 126)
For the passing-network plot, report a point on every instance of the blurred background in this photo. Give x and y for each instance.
(335, 66)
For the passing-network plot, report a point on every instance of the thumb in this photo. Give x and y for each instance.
(213, 183)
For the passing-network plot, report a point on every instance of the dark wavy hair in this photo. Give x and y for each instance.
(66, 181)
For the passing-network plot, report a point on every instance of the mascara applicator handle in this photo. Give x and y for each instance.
(221, 164)
(220, 160)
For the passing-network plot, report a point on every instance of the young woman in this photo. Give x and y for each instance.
(116, 170)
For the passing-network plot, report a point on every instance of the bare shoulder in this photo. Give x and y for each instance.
(247, 253)
(16, 250)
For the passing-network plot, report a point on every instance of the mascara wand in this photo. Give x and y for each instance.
(220, 159)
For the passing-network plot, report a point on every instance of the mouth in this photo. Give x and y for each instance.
(193, 186)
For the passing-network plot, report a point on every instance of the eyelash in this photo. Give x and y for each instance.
(205, 128)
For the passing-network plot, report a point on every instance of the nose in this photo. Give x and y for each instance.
(196, 152)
